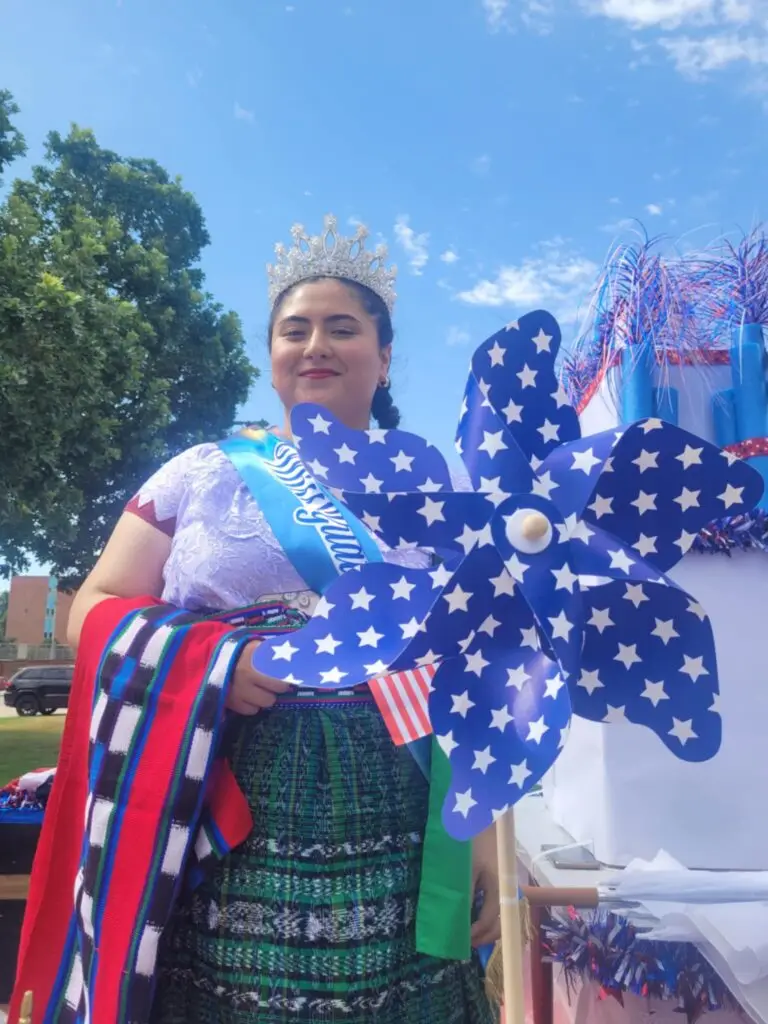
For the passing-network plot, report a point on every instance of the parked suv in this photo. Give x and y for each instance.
(40, 689)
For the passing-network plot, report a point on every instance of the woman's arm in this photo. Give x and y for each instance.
(131, 565)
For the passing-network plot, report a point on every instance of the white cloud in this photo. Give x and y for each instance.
(534, 14)
(654, 210)
(449, 256)
(654, 13)
(457, 336)
(416, 246)
(495, 12)
(556, 277)
(241, 114)
(695, 58)
(481, 165)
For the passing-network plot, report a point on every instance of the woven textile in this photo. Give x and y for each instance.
(313, 917)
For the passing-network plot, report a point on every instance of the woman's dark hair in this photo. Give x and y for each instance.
(383, 409)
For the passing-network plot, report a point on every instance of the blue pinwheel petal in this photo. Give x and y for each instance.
(597, 553)
(570, 473)
(493, 459)
(501, 724)
(444, 522)
(649, 658)
(362, 624)
(371, 461)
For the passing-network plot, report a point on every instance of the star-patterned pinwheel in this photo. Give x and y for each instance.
(550, 596)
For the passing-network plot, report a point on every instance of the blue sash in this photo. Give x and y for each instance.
(318, 535)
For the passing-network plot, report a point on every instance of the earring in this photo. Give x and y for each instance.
(386, 383)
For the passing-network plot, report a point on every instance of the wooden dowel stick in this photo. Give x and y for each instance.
(511, 921)
(554, 896)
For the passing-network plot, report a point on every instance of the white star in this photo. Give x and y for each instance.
(560, 397)
(636, 594)
(601, 619)
(541, 341)
(731, 495)
(402, 589)
(644, 503)
(590, 681)
(440, 577)
(527, 377)
(517, 678)
(536, 463)
(492, 443)
(466, 643)
(345, 454)
(370, 638)
(372, 522)
(501, 718)
(564, 578)
(323, 608)
(327, 644)
(529, 638)
(403, 463)
(665, 630)
(682, 731)
(317, 469)
(461, 704)
(685, 540)
(378, 668)
(319, 425)
(464, 803)
(447, 743)
(284, 651)
(620, 560)
(697, 610)
(515, 568)
(544, 485)
(687, 499)
(520, 774)
(628, 655)
(513, 325)
(693, 667)
(645, 545)
(650, 424)
(457, 599)
(371, 484)
(716, 707)
(362, 599)
(476, 663)
(503, 584)
(585, 461)
(561, 626)
(484, 390)
(549, 431)
(554, 686)
(536, 730)
(580, 531)
(483, 760)
(499, 812)
(654, 692)
(615, 715)
(489, 626)
(492, 489)
(690, 456)
(646, 460)
(601, 507)
(377, 436)
(411, 628)
(468, 539)
(428, 659)
(429, 486)
(513, 412)
(485, 536)
(496, 354)
(332, 676)
(730, 457)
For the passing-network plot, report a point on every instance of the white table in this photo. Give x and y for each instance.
(535, 830)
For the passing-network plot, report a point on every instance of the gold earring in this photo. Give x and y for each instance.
(386, 383)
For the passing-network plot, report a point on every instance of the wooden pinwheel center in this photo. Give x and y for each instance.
(534, 527)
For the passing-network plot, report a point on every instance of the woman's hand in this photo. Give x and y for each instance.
(485, 878)
(251, 691)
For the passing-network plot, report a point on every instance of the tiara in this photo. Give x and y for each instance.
(332, 255)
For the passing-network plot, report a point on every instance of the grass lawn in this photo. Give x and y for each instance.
(28, 743)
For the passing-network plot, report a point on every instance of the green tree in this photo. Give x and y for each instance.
(12, 142)
(3, 613)
(113, 357)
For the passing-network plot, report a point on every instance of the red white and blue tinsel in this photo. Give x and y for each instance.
(607, 949)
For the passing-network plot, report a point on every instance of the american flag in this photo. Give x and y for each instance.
(403, 700)
(523, 631)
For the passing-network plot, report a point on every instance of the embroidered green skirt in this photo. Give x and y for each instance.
(313, 918)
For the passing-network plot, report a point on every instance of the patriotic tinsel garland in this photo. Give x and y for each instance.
(738, 533)
(605, 948)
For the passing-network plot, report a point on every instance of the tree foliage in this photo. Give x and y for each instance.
(113, 357)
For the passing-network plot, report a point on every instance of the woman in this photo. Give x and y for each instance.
(313, 917)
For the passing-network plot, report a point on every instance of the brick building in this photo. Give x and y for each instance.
(37, 611)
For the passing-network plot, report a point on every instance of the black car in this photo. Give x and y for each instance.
(40, 689)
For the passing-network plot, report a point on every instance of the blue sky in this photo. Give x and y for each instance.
(499, 147)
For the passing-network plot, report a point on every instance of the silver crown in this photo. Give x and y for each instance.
(332, 255)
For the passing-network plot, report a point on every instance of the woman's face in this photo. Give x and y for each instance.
(325, 349)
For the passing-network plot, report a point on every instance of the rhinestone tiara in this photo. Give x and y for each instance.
(332, 255)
